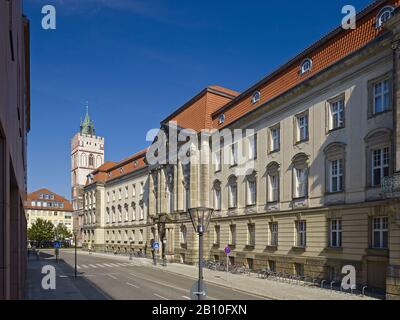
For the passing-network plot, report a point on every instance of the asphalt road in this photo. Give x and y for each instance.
(123, 280)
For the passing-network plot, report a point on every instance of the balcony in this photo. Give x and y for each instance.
(391, 185)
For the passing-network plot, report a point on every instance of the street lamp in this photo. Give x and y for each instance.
(76, 231)
(162, 222)
(130, 248)
(200, 218)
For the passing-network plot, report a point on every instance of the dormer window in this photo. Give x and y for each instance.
(384, 15)
(221, 119)
(121, 170)
(256, 97)
(306, 66)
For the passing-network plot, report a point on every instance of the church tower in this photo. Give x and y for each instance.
(87, 154)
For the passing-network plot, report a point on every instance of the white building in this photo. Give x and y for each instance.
(87, 154)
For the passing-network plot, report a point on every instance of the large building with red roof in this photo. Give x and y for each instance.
(314, 187)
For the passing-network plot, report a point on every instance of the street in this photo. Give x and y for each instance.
(118, 279)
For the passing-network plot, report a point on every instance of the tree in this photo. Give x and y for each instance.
(41, 231)
(62, 232)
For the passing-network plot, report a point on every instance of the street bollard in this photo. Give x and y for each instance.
(322, 284)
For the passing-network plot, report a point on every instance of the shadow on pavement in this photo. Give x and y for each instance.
(68, 287)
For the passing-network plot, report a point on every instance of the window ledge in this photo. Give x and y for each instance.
(271, 152)
(336, 129)
(301, 141)
(272, 248)
(216, 245)
(297, 248)
(378, 252)
(232, 246)
(334, 249)
(250, 247)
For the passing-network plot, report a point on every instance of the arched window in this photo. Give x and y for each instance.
(273, 179)
(217, 196)
(251, 189)
(133, 206)
(83, 160)
(91, 160)
(108, 215)
(384, 15)
(306, 66)
(126, 207)
(300, 176)
(256, 97)
(98, 161)
(379, 152)
(232, 192)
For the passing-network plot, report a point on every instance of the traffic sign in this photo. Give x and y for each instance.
(57, 245)
(156, 246)
(227, 250)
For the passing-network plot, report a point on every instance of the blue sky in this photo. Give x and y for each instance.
(136, 61)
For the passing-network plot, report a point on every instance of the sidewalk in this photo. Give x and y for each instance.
(67, 287)
(250, 284)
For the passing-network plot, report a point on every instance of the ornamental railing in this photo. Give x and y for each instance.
(391, 184)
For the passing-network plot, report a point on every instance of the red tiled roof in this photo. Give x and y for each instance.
(196, 113)
(35, 196)
(330, 49)
(112, 170)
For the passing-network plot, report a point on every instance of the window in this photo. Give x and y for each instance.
(134, 190)
(221, 119)
(183, 234)
(232, 193)
(234, 154)
(301, 229)
(306, 66)
(217, 160)
(275, 134)
(273, 186)
(380, 229)
(256, 97)
(119, 214)
(302, 128)
(252, 145)
(126, 212)
(381, 96)
(299, 269)
(251, 234)
(108, 197)
(336, 114)
(336, 233)
(232, 234)
(91, 160)
(336, 175)
(217, 233)
(217, 196)
(380, 165)
(126, 192)
(384, 15)
(273, 231)
(133, 209)
(141, 212)
(140, 236)
(119, 194)
(251, 191)
(113, 198)
(272, 265)
(141, 188)
(301, 183)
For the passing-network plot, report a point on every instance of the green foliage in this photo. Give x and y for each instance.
(41, 230)
(62, 232)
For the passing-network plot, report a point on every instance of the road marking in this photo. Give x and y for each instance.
(112, 277)
(78, 267)
(85, 266)
(121, 264)
(93, 266)
(114, 265)
(100, 265)
(161, 297)
(133, 285)
(184, 297)
(107, 265)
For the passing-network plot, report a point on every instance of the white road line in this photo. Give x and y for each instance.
(133, 285)
(78, 267)
(121, 264)
(112, 277)
(107, 265)
(93, 266)
(84, 266)
(184, 297)
(161, 297)
(114, 265)
(100, 265)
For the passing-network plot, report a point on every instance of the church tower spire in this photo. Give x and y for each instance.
(87, 126)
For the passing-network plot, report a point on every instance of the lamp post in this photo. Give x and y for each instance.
(76, 256)
(200, 218)
(162, 223)
(130, 248)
